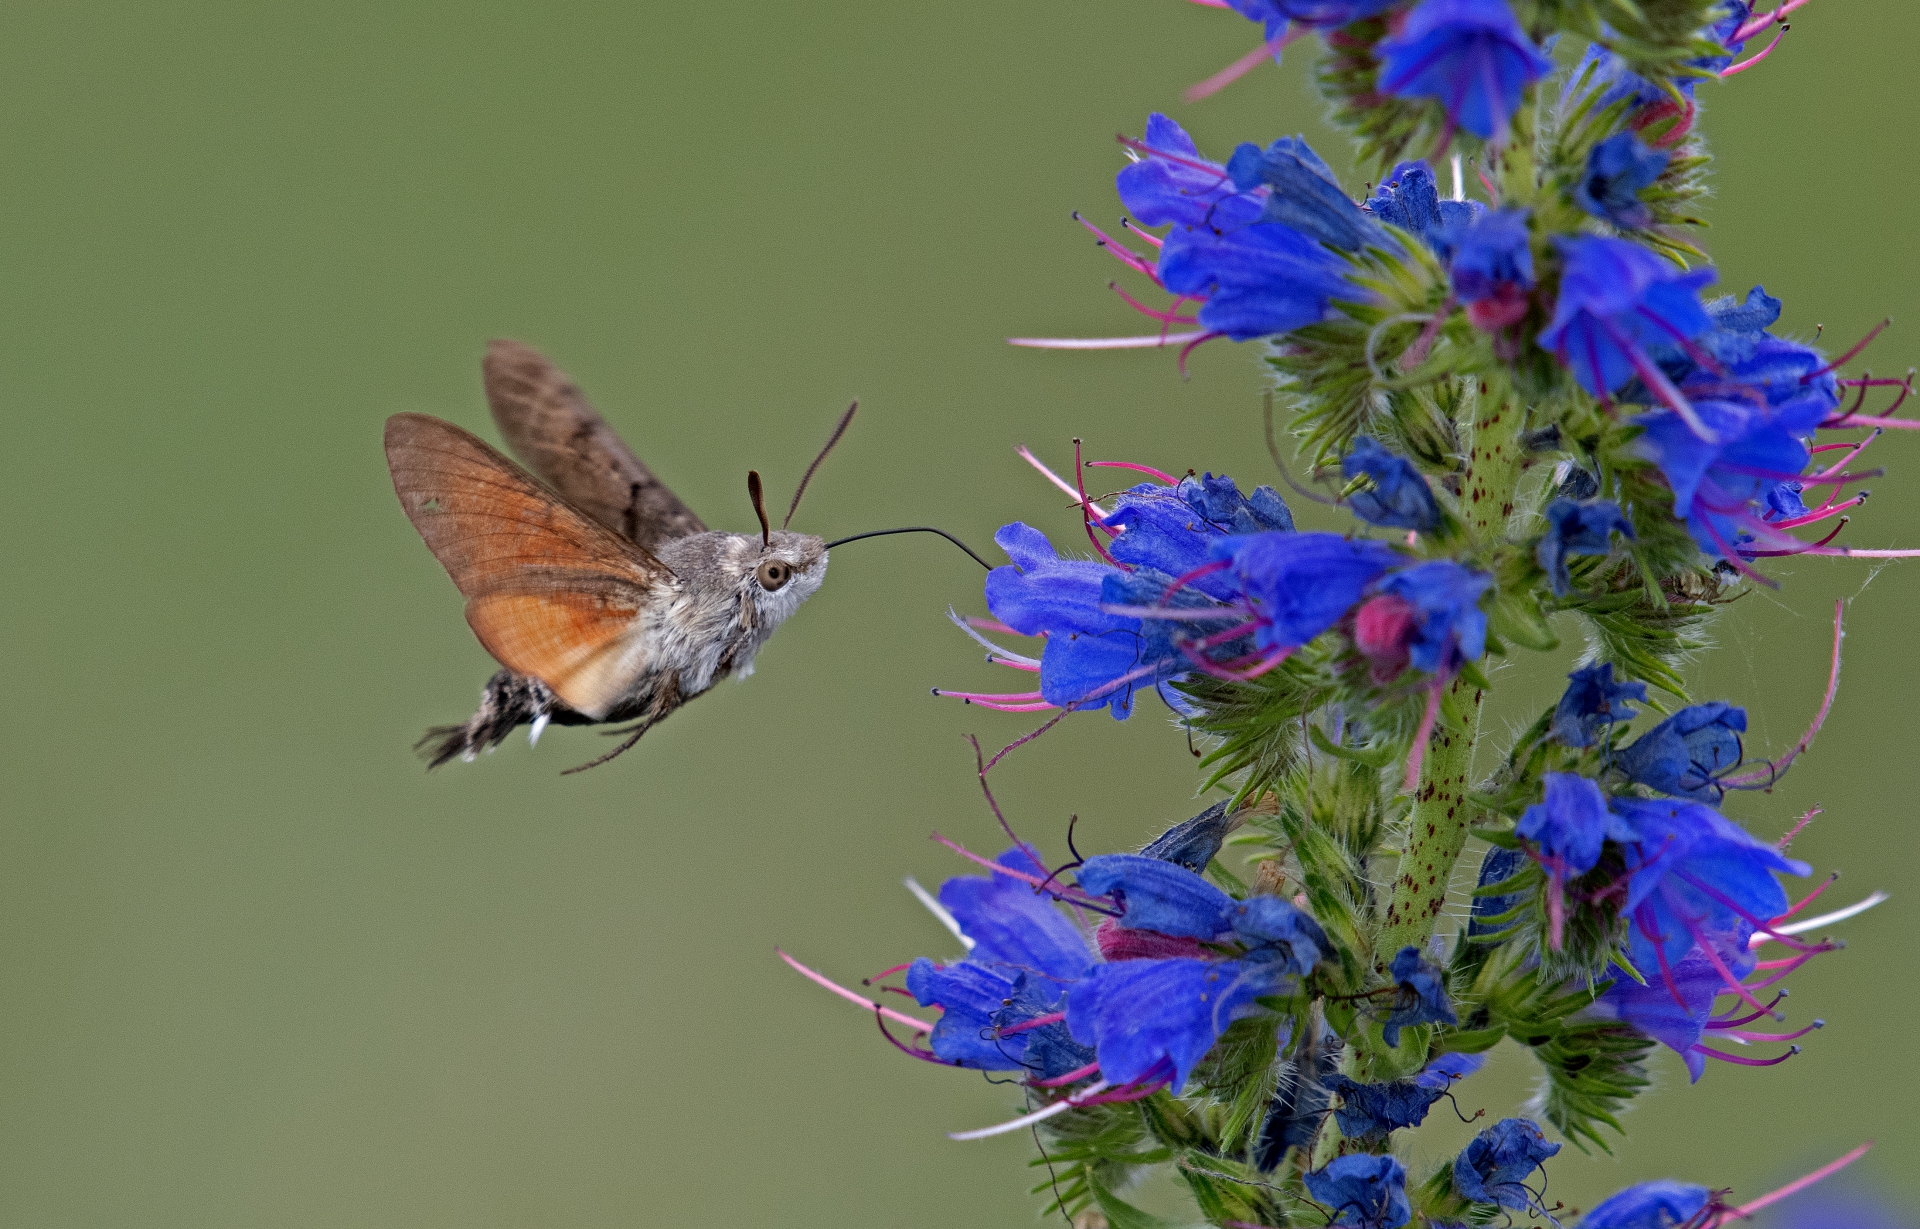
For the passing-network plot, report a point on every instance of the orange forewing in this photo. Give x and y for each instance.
(550, 592)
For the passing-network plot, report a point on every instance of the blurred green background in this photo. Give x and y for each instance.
(259, 969)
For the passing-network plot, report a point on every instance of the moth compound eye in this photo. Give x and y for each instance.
(773, 574)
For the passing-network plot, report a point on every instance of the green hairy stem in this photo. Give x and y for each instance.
(1441, 814)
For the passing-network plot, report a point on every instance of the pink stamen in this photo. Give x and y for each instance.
(1005, 697)
(1165, 317)
(1736, 558)
(1131, 259)
(1060, 891)
(1222, 4)
(1850, 355)
(1027, 456)
(1785, 971)
(1752, 27)
(1091, 515)
(1819, 717)
(1139, 146)
(1777, 1037)
(1036, 1022)
(1814, 895)
(1238, 676)
(1656, 382)
(1799, 1184)
(1021, 663)
(1074, 1076)
(1812, 548)
(992, 625)
(1232, 633)
(1146, 236)
(1749, 62)
(1821, 513)
(1149, 470)
(1858, 448)
(1749, 1019)
(1714, 894)
(919, 1026)
(1024, 739)
(1418, 754)
(898, 968)
(1186, 578)
(1242, 66)
(1133, 1092)
(1710, 1052)
(1193, 345)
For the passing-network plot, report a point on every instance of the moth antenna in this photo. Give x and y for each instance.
(808, 476)
(881, 533)
(759, 506)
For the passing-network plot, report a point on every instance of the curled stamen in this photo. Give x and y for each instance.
(1089, 513)
(1193, 345)
(1749, 1019)
(1758, 56)
(1028, 737)
(1752, 27)
(1026, 454)
(1724, 1057)
(1073, 896)
(1148, 470)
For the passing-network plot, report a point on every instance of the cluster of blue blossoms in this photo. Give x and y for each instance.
(1511, 409)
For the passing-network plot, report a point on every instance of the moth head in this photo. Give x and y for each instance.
(788, 567)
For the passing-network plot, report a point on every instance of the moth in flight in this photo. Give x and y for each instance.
(604, 598)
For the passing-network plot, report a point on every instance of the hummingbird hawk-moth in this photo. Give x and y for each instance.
(604, 598)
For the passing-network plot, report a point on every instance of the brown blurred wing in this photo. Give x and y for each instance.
(550, 592)
(548, 423)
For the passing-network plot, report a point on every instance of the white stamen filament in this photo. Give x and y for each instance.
(1459, 180)
(1027, 1120)
(937, 909)
(1825, 919)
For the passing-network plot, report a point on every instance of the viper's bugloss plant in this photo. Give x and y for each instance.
(1524, 405)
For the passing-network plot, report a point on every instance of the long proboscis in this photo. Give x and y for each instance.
(807, 477)
(881, 533)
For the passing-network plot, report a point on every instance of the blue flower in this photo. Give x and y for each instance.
(1365, 1192)
(1649, 1205)
(1497, 867)
(1717, 485)
(1399, 497)
(1171, 529)
(1303, 192)
(1472, 55)
(1492, 267)
(1232, 248)
(1578, 529)
(1157, 190)
(1410, 199)
(1569, 825)
(1449, 1069)
(1192, 843)
(1685, 755)
(1153, 1020)
(1674, 1010)
(1692, 875)
(1301, 584)
(1093, 659)
(1422, 997)
(1158, 895)
(1168, 898)
(1617, 299)
(1025, 955)
(1617, 169)
(1375, 1109)
(1274, 15)
(1449, 626)
(1494, 1168)
(1744, 362)
(1592, 702)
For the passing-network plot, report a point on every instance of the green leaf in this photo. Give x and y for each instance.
(1516, 615)
(1122, 1215)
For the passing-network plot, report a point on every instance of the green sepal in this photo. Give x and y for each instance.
(1375, 757)
(1515, 615)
